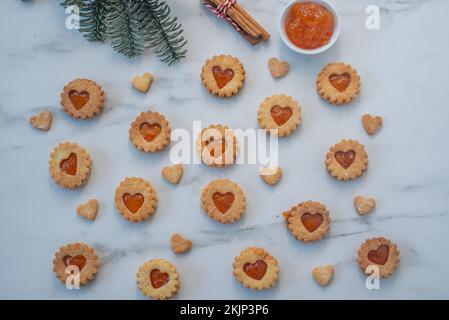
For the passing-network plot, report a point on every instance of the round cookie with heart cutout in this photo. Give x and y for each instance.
(70, 165)
(256, 269)
(381, 253)
(218, 146)
(82, 98)
(338, 83)
(223, 200)
(78, 261)
(223, 75)
(150, 132)
(136, 199)
(158, 279)
(308, 221)
(279, 115)
(347, 160)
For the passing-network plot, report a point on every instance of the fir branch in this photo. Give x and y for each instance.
(93, 17)
(78, 3)
(161, 31)
(124, 28)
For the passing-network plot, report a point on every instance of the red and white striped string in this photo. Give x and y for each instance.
(221, 11)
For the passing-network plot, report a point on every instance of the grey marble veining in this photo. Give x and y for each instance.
(404, 72)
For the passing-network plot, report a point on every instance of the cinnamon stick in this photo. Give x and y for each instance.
(250, 29)
(265, 34)
(240, 20)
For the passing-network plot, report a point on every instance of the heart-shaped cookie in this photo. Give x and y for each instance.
(364, 205)
(143, 83)
(323, 275)
(179, 244)
(278, 68)
(42, 121)
(223, 201)
(89, 209)
(371, 124)
(270, 175)
(173, 174)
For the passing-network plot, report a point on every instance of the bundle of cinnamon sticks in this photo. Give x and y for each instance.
(249, 28)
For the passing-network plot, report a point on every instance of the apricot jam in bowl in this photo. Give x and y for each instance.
(309, 26)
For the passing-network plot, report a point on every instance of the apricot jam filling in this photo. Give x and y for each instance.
(309, 25)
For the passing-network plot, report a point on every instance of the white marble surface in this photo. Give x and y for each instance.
(405, 79)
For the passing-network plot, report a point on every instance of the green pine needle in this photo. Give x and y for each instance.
(132, 25)
(162, 32)
(93, 20)
(124, 28)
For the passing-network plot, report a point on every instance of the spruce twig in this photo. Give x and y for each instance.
(162, 32)
(93, 17)
(124, 28)
(132, 25)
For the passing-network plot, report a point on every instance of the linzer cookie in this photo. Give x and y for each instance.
(70, 165)
(279, 115)
(136, 199)
(82, 98)
(76, 259)
(158, 279)
(150, 132)
(218, 146)
(223, 75)
(256, 269)
(308, 221)
(223, 200)
(338, 83)
(347, 160)
(379, 252)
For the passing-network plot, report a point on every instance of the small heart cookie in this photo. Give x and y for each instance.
(371, 124)
(173, 174)
(278, 68)
(364, 205)
(42, 121)
(89, 209)
(270, 175)
(143, 83)
(179, 244)
(323, 275)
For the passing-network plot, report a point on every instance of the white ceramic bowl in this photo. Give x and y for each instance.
(291, 45)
